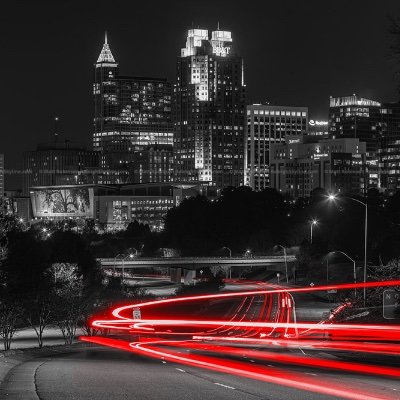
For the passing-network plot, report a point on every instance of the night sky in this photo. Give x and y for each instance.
(295, 52)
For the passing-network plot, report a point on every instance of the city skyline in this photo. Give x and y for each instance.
(288, 73)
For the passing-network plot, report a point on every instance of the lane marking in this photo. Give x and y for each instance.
(225, 386)
(179, 369)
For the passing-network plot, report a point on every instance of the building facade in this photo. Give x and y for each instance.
(389, 148)
(319, 128)
(115, 206)
(303, 163)
(130, 113)
(153, 164)
(59, 164)
(209, 111)
(357, 117)
(267, 125)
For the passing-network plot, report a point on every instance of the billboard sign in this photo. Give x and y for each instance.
(63, 202)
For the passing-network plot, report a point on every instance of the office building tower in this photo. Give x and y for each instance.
(357, 117)
(267, 125)
(209, 111)
(59, 164)
(389, 148)
(130, 113)
(153, 164)
(304, 163)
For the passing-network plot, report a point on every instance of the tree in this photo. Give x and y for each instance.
(38, 311)
(68, 299)
(10, 314)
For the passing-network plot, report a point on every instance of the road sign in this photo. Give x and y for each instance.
(391, 304)
(137, 313)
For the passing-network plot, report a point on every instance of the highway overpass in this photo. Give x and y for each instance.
(192, 264)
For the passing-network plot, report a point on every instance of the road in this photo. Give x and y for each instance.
(229, 359)
(101, 373)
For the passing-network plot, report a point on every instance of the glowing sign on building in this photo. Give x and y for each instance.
(221, 51)
(317, 123)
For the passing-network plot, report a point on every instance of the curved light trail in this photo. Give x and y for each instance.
(264, 318)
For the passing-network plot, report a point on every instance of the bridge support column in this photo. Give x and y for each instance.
(175, 274)
(188, 276)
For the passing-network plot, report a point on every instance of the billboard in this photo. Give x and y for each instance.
(62, 202)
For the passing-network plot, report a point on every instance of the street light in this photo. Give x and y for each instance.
(352, 260)
(230, 256)
(286, 268)
(313, 223)
(333, 197)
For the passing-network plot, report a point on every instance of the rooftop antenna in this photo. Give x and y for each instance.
(105, 37)
(218, 26)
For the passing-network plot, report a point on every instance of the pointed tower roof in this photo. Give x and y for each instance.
(106, 55)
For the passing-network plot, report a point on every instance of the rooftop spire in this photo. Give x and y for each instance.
(106, 55)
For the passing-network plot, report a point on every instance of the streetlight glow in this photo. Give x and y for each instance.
(313, 223)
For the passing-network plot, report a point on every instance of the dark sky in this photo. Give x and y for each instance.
(296, 53)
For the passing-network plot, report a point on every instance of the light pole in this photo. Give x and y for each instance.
(334, 197)
(346, 255)
(286, 268)
(313, 223)
(230, 256)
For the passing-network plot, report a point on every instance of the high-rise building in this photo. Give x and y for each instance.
(130, 113)
(360, 118)
(267, 125)
(389, 147)
(153, 164)
(1, 175)
(304, 163)
(59, 164)
(209, 111)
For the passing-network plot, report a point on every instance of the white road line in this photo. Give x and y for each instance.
(181, 370)
(225, 386)
(164, 362)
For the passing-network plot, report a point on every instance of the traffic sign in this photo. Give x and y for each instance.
(391, 304)
(137, 313)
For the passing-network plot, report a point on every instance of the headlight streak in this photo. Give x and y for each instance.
(252, 324)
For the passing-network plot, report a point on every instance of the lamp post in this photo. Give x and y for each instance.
(230, 256)
(352, 260)
(286, 268)
(313, 223)
(334, 197)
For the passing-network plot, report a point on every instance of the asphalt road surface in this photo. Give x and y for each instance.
(101, 373)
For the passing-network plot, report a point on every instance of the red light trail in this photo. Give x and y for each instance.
(264, 317)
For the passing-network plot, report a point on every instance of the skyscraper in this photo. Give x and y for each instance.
(360, 118)
(267, 125)
(59, 164)
(209, 111)
(389, 148)
(130, 113)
